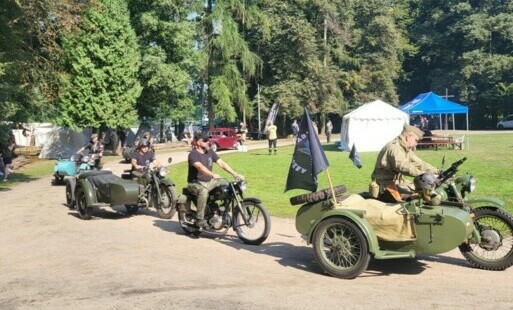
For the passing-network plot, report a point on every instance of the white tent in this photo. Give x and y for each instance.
(371, 126)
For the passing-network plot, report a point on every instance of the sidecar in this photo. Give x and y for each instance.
(69, 167)
(346, 235)
(95, 189)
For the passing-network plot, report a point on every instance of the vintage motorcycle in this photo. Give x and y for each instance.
(71, 166)
(227, 207)
(104, 189)
(347, 234)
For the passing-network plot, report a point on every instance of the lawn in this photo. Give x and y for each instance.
(489, 160)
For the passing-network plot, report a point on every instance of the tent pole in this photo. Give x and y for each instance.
(440, 116)
(332, 190)
(468, 138)
(453, 121)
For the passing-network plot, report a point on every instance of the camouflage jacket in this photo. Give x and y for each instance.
(395, 161)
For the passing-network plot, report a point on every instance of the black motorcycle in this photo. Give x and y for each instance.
(227, 207)
(154, 190)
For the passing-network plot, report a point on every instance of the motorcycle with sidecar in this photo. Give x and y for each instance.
(71, 166)
(345, 235)
(104, 189)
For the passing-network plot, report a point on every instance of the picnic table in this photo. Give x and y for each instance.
(436, 142)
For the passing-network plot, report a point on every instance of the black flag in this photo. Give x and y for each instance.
(355, 157)
(308, 159)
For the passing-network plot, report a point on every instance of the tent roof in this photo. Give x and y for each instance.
(376, 110)
(431, 103)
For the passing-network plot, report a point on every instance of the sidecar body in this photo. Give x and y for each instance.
(358, 228)
(65, 167)
(104, 189)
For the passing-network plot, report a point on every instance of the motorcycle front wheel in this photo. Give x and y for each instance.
(495, 252)
(340, 248)
(255, 229)
(166, 207)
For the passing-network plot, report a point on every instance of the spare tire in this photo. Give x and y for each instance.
(323, 194)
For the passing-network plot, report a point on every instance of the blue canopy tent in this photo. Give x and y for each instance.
(431, 103)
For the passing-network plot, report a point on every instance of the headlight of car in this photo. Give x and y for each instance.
(243, 185)
(472, 184)
(163, 172)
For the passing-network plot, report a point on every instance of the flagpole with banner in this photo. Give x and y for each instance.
(308, 160)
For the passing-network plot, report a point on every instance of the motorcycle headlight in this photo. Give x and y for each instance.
(85, 159)
(163, 172)
(243, 185)
(472, 184)
(73, 158)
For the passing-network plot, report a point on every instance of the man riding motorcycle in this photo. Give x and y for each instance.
(395, 161)
(141, 158)
(200, 177)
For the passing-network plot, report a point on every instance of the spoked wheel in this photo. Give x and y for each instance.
(255, 229)
(83, 210)
(167, 206)
(186, 219)
(495, 252)
(340, 248)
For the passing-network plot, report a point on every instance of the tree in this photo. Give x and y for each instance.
(100, 84)
(226, 60)
(166, 38)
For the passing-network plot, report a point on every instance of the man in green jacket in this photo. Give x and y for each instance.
(396, 160)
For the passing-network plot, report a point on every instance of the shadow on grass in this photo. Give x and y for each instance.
(14, 179)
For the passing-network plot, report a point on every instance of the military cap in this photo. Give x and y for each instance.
(413, 129)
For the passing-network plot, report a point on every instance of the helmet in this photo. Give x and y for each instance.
(425, 181)
(143, 143)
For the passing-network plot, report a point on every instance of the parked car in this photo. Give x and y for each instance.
(507, 122)
(223, 138)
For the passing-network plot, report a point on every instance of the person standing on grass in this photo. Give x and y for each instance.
(295, 130)
(272, 137)
(7, 156)
(329, 128)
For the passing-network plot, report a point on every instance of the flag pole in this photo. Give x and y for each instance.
(332, 190)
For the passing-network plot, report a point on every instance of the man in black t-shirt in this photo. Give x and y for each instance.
(142, 157)
(201, 179)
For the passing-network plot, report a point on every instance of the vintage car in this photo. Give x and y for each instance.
(223, 138)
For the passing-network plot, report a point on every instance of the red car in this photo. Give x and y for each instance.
(223, 138)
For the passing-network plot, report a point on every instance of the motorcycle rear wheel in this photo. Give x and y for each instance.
(166, 208)
(83, 210)
(259, 223)
(495, 252)
(340, 248)
(186, 220)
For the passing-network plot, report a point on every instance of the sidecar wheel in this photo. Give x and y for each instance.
(340, 248)
(83, 210)
(167, 207)
(70, 201)
(317, 196)
(495, 252)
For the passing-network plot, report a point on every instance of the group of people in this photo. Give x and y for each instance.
(328, 131)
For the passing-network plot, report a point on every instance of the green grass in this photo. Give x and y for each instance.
(489, 160)
(34, 170)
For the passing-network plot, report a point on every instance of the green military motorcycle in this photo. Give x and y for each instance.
(345, 235)
(104, 189)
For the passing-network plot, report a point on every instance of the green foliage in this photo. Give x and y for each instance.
(168, 58)
(100, 84)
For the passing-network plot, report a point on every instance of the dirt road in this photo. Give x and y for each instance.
(50, 259)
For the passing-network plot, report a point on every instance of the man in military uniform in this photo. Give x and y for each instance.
(395, 161)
